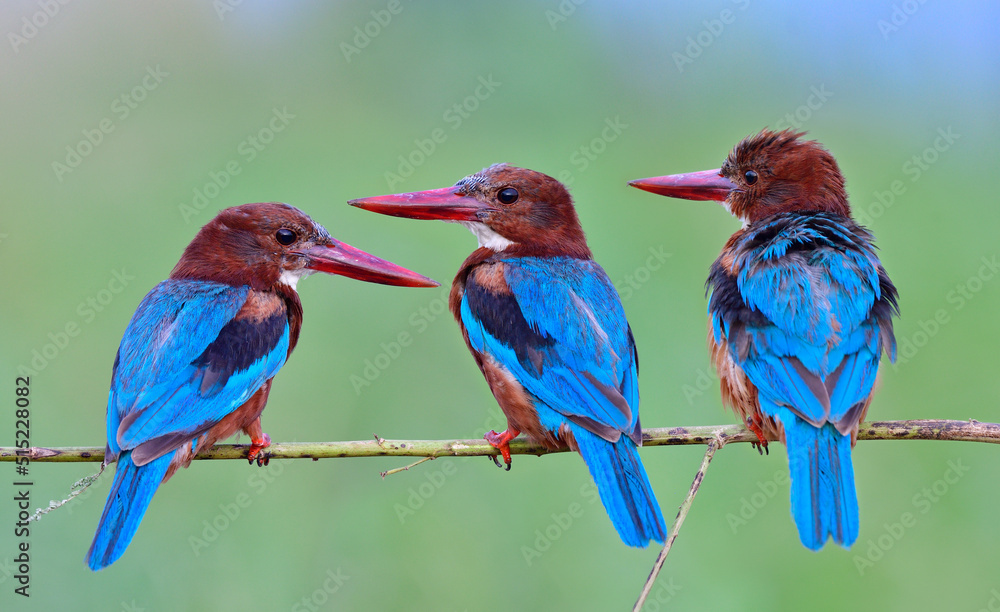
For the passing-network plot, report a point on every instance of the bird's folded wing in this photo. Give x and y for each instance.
(815, 349)
(559, 328)
(185, 362)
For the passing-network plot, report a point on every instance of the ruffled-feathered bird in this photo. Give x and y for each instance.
(801, 309)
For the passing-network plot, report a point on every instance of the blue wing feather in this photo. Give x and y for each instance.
(163, 337)
(824, 317)
(163, 383)
(805, 319)
(573, 304)
(185, 362)
(855, 382)
(562, 334)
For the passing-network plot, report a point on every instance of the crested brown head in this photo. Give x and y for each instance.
(775, 172)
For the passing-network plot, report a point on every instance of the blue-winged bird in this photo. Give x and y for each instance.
(800, 311)
(197, 360)
(547, 328)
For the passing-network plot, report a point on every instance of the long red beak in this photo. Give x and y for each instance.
(345, 260)
(704, 185)
(441, 204)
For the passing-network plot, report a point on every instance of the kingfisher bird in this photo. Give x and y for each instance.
(197, 359)
(800, 312)
(548, 330)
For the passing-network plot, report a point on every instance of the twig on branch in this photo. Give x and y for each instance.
(78, 487)
(682, 513)
(962, 431)
(404, 468)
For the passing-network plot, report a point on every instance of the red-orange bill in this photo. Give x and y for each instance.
(345, 260)
(440, 204)
(704, 185)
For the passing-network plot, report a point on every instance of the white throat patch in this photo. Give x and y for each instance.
(487, 237)
(725, 204)
(292, 277)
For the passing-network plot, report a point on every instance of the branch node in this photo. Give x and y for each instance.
(720, 438)
(37, 452)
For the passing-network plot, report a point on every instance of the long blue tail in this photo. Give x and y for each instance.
(824, 500)
(624, 488)
(130, 495)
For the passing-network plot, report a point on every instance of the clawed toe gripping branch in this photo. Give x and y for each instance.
(714, 436)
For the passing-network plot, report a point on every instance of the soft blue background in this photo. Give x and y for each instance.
(886, 93)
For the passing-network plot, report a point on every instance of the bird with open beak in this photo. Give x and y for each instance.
(547, 328)
(800, 311)
(196, 362)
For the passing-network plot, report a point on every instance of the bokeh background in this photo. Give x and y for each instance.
(126, 126)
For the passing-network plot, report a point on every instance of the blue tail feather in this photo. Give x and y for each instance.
(130, 494)
(824, 499)
(624, 487)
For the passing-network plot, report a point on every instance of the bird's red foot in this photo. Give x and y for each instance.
(256, 446)
(761, 444)
(502, 443)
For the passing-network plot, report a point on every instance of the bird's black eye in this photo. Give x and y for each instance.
(285, 236)
(750, 176)
(507, 195)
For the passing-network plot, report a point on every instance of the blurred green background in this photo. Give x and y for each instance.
(126, 126)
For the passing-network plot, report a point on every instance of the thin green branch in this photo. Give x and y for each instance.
(962, 431)
(682, 513)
